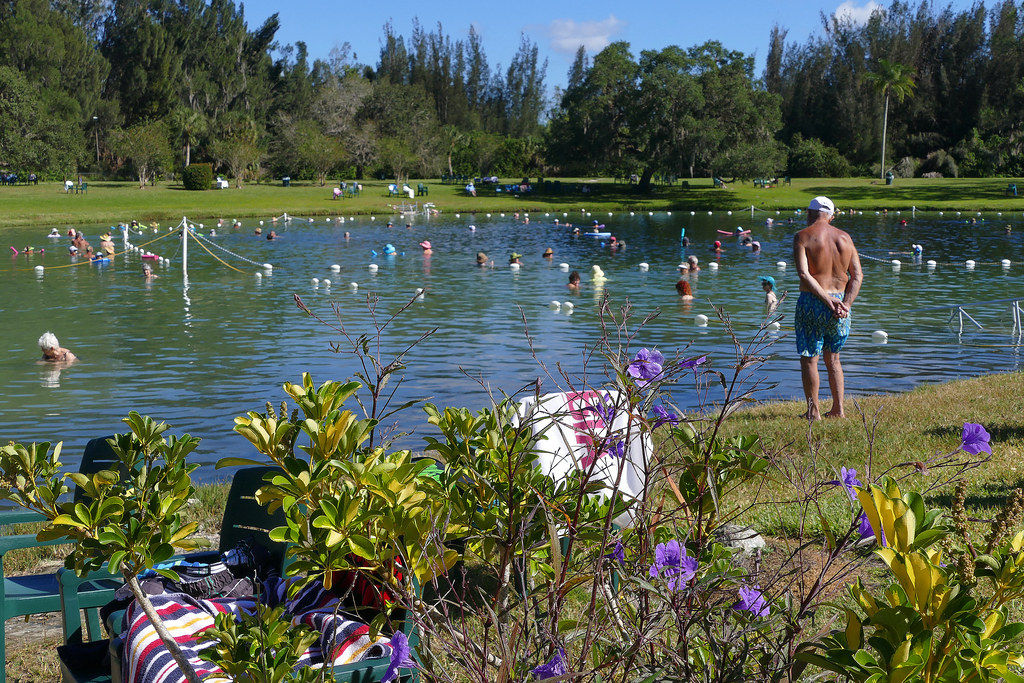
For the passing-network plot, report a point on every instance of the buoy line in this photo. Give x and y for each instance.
(203, 239)
(83, 262)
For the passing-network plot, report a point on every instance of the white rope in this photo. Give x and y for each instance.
(211, 243)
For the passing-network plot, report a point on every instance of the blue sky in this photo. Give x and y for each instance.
(558, 28)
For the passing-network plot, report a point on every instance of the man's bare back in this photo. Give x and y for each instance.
(827, 261)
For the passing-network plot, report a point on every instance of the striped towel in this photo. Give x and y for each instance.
(146, 660)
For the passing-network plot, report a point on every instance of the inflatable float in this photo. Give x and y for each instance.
(153, 257)
(597, 234)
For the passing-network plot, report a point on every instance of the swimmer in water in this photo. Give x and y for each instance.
(574, 280)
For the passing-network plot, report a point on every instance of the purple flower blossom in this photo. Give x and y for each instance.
(618, 450)
(556, 667)
(752, 600)
(605, 411)
(671, 562)
(975, 439)
(693, 362)
(646, 366)
(848, 479)
(617, 553)
(664, 416)
(866, 530)
(400, 657)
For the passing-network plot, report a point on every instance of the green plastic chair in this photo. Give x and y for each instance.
(22, 596)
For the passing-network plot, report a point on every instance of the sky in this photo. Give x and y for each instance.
(557, 27)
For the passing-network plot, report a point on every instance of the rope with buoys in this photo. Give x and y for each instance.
(222, 261)
(84, 262)
(203, 240)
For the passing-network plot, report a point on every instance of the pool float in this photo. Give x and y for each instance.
(150, 256)
(733, 232)
(597, 234)
(100, 259)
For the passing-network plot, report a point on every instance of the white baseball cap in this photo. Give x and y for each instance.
(823, 204)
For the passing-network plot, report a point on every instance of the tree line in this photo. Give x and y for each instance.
(142, 89)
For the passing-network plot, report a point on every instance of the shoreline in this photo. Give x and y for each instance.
(115, 201)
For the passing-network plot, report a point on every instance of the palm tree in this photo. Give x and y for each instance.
(188, 124)
(890, 79)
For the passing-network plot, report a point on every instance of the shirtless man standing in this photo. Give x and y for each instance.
(830, 278)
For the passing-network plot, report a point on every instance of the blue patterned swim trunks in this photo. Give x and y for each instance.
(818, 327)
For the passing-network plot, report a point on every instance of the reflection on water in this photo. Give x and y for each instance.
(198, 352)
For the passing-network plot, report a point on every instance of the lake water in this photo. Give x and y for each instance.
(197, 357)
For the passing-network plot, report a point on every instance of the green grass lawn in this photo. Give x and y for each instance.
(903, 435)
(111, 202)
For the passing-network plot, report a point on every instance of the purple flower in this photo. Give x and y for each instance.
(556, 667)
(664, 416)
(618, 450)
(975, 439)
(671, 561)
(693, 362)
(752, 600)
(646, 366)
(866, 530)
(605, 411)
(617, 553)
(848, 479)
(400, 657)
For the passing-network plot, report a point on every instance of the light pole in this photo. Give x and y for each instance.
(96, 125)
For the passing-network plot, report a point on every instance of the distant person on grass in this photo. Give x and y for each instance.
(830, 278)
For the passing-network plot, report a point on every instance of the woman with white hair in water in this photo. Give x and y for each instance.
(52, 350)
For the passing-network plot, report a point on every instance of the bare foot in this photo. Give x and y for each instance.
(806, 415)
(833, 413)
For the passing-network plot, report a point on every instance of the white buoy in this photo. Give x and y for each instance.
(700, 320)
(650, 213)
(39, 270)
(310, 220)
(644, 267)
(372, 267)
(326, 282)
(713, 266)
(472, 228)
(353, 285)
(774, 326)
(940, 213)
(267, 266)
(513, 266)
(315, 282)
(261, 222)
(781, 265)
(488, 215)
(458, 215)
(931, 264)
(564, 214)
(709, 213)
(259, 276)
(896, 263)
(373, 218)
(335, 268)
(880, 336)
(568, 306)
(502, 215)
(419, 293)
(609, 213)
(729, 212)
(554, 305)
(546, 214)
(1005, 263)
(970, 264)
(563, 266)
(631, 213)
(693, 213)
(957, 213)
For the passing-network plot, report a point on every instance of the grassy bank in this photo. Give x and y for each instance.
(904, 435)
(110, 202)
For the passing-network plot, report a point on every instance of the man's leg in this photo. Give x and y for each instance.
(809, 375)
(835, 383)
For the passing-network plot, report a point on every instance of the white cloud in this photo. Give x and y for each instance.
(856, 14)
(566, 35)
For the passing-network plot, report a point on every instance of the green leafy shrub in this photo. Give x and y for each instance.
(812, 158)
(197, 177)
